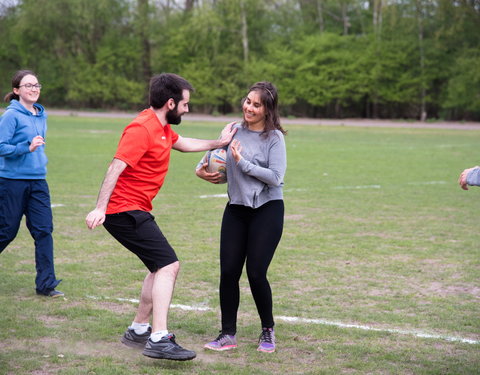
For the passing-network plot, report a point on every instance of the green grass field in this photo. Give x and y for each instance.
(378, 234)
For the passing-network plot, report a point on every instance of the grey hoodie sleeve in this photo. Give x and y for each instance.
(277, 164)
(473, 177)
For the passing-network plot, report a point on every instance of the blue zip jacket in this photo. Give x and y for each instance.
(18, 126)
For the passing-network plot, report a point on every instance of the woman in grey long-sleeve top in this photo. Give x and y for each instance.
(252, 222)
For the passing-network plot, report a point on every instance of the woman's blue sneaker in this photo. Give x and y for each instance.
(267, 341)
(222, 342)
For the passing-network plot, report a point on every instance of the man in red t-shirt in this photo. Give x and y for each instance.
(133, 179)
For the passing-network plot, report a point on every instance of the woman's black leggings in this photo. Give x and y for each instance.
(250, 235)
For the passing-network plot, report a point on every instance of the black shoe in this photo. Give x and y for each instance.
(134, 340)
(53, 293)
(167, 348)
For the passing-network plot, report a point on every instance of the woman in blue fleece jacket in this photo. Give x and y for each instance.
(23, 168)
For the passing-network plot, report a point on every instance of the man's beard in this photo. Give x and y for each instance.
(173, 117)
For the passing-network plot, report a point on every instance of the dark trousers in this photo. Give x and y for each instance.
(32, 199)
(248, 236)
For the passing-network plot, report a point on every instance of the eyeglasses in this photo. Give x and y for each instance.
(29, 86)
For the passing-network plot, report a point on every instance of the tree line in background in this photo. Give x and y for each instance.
(344, 58)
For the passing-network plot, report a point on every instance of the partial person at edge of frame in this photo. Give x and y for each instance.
(23, 169)
(132, 181)
(469, 177)
(252, 223)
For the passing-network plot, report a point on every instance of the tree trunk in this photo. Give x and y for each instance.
(338, 109)
(244, 31)
(321, 22)
(423, 106)
(377, 18)
(143, 28)
(359, 16)
(189, 5)
(345, 19)
(307, 9)
(377, 29)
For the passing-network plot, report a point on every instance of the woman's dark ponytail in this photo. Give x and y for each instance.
(16, 79)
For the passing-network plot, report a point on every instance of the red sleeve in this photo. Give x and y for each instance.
(174, 136)
(133, 144)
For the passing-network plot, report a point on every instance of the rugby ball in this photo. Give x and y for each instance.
(217, 162)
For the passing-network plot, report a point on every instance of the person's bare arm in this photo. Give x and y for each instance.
(194, 145)
(97, 216)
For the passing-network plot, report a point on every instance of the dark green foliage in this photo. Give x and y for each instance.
(347, 58)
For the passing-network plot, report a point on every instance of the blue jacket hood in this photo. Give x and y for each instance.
(17, 106)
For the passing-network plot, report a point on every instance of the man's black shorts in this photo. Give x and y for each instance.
(139, 233)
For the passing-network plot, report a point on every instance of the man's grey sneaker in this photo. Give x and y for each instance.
(222, 342)
(267, 341)
(134, 340)
(167, 348)
(53, 293)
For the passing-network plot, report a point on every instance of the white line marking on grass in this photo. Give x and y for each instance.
(428, 183)
(57, 205)
(174, 306)
(292, 319)
(190, 308)
(214, 196)
(367, 328)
